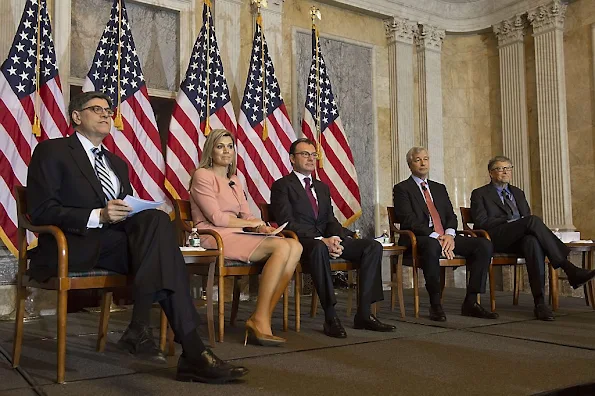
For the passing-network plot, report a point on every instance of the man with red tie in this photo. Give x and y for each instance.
(423, 206)
(305, 204)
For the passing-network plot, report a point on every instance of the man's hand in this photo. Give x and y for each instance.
(114, 211)
(334, 246)
(447, 242)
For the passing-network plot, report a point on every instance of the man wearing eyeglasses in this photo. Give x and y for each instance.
(305, 203)
(76, 184)
(502, 210)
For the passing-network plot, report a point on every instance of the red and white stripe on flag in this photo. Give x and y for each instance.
(18, 101)
(138, 143)
(338, 170)
(263, 156)
(203, 95)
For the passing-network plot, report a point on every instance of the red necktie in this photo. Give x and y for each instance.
(311, 196)
(433, 211)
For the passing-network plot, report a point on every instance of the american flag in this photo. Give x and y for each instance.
(138, 142)
(203, 104)
(338, 168)
(263, 155)
(32, 51)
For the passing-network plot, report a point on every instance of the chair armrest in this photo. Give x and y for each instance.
(467, 232)
(289, 234)
(58, 236)
(483, 233)
(214, 234)
(412, 238)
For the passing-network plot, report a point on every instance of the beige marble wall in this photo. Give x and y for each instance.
(580, 102)
(471, 108)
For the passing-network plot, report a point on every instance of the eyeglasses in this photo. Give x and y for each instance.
(501, 169)
(99, 110)
(306, 154)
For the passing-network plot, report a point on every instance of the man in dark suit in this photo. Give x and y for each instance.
(77, 185)
(305, 203)
(423, 206)
(502, 210)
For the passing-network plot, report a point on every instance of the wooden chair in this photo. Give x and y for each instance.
(62, 283)
(509, 259)
(336, 265)
(216, 265)
(411, 258)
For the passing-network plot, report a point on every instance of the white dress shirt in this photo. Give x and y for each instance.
(302, 177)
(93, 221)
(418, 181)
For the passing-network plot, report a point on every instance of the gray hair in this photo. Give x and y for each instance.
(413, 151)
(498, 158)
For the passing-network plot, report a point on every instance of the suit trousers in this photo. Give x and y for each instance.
(146, 246)
(366, 252)
(477, 252)
(531, 238)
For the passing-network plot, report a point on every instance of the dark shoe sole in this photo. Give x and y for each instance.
(185, 377)
(335, 335)
(478, 317)
(384, 330)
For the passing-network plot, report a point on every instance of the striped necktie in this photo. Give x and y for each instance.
(103, 175)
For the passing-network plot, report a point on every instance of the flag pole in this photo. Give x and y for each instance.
(118, 122)
(265, 133)
(315, 13)
(208, 84)
(36, 125)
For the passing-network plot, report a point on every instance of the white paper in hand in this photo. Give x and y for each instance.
(272, 233)
(138, 205)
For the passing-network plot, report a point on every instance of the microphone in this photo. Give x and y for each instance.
(231, 183)
(311, 186)
(424, 188)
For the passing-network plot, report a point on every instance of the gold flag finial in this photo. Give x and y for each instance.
(315, 14)
(208, 3)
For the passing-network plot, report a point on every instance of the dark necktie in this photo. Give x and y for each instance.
(313, 202)
(103, 175)
(433, 211)
(514, 215)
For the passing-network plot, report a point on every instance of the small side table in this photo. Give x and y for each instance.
(586, 249)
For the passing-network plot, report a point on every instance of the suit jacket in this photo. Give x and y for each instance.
(412, 212)
(289, 203)
(487, 209)
(62, 190)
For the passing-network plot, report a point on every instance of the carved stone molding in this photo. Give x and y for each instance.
(429, 37)
(400, 29)
(510, 30)
(547, 17)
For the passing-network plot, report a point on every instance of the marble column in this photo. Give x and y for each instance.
(226, 15)
(548, 30)
(400, 32)
(429, 50)
(515, 136)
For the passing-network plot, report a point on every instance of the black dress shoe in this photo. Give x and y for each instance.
(208, 368)
(334, 328)
(437, 313)
(477, 311)
(371, 323)
(139, 342)
(579, 276)
(543, 312)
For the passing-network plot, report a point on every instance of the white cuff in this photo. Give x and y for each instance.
(434, 235)
(93, 221)
(450, 231)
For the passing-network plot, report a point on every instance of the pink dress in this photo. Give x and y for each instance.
(212, 201)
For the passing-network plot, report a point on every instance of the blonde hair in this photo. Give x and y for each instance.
(206, 161)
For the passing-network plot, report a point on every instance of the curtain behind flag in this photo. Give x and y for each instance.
(29, 86)
(263, 154)
(203, 104)
(336, 168)
(137, 142)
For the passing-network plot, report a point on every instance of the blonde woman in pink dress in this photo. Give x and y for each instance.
(218, 202)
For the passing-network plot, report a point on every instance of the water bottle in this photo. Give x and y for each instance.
(385, 237)
(357, 235)
(194, 238)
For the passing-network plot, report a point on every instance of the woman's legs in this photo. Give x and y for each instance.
(292, 262)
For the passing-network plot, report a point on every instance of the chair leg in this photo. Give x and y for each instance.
(236, 300)
(298, 302)
(554, 287)
(442, 282)
(517, 281)
(314, 305)
(162, 331)
(349, 292)
(286, 308)
(393, 282)
(221, 307)
(415, 293)
(18, 325)
(62, 306)
(106, 302)
(492, 289)
(171, 348)
(210, 313)
(400, 285)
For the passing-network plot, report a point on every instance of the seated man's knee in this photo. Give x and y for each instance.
(484, 246)
(318, 247)
(531, 241)
(431, 249)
